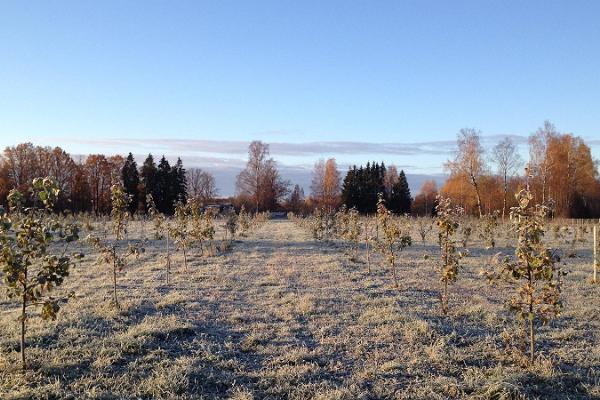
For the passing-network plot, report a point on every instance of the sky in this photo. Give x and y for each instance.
(356, 80)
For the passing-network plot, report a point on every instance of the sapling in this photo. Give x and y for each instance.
(158, 219)
(424, 226)
(534, 271)
(87, 222)
(317, 224)
(328, 225)
(392, 238)
(465, 230)
(353, 231)
(231, 225)
(368, 238)
(179, 232)
(557, 229)
(488, 232)
(31, 266)
(447, 227)
(195, 208)
(341, 221)
(243, 221)
(348, 228)
(109, 250)
(573, 243)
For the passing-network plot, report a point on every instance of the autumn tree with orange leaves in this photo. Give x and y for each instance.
(469, 163)
(325, 187)
(425, 201)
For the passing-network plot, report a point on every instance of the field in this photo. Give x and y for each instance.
(281, 315)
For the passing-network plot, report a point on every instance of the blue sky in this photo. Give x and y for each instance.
(137, 76)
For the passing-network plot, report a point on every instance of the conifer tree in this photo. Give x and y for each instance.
(179, 181)
(400, 199)
(165, 196)
(362, 185)
(131, 182)
(350, 188)
(148, 177)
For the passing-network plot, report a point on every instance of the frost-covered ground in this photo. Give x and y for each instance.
(283, 316)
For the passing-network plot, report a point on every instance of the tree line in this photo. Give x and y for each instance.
(560, 173)
(363, 185)
(85, 184)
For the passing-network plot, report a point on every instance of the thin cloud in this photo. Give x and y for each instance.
(187, 146)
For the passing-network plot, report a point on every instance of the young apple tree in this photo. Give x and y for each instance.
(31, 265)
(534, 271)
(158, 220)
(109, 250)
(450, 257)
(179, 232)
(392, 239)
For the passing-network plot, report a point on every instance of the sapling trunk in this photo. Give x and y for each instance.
(168, 257)
(368, 251)
(393, 262)
(115, 299)
(595, 247)
(445, 298)
(23, 319)
(445, 279)
(531, 337)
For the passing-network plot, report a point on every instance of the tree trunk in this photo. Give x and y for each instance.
(23, 319)
(395, 277)
(445, 299)
(115, 299)
(504, 198)
(531, 339)
(595, 250)
(445, 293)
(530, 316)
(476, 187)
(368, 251)
(168, 257)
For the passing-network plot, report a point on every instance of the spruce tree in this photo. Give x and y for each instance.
(164, 197)
(350, 189)
(400, 199)
(361, 187)
(131, 182)
(179, 181)
(148, 174)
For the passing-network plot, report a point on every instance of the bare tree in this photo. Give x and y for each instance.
(22, 163)
(390, 178)
(201, 185)
(260, 180)
(508, 161)
(469, 160)
(249, 180)
(316, 184)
